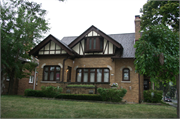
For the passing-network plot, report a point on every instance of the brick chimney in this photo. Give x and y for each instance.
(137, 27)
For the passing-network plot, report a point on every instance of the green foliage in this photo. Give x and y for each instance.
(154, 42)
(51, 91)
(113, 95)
(153, 99)
(80, 85)
(160, 12)
(80, 96)
(22, 26)
(35, 93)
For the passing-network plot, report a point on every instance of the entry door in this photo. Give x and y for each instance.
(69, 74)
(146, 84)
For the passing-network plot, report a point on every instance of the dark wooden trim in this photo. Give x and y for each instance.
(48, 39)
(123, 74)
(108, 48)
(93, 28)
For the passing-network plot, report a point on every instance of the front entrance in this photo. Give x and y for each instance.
(146, 84)
(69, 74)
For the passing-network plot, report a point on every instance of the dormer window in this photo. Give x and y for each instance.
(94, 44)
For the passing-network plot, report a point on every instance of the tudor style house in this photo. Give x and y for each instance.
(91, 58)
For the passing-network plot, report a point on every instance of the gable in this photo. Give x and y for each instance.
(93, 31)
(51, 46)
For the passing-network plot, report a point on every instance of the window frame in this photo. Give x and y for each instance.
(30, 79)
(95, 74)
(48, 79)
(97, 48)
(123, 74)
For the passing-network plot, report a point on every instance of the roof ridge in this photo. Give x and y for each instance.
(121, 33)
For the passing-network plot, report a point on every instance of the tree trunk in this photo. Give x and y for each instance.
(178, 96)
(11, 84)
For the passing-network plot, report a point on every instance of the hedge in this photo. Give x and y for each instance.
(114, 95)
(153, 99)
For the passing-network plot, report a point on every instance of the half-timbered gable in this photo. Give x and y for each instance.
(51, 46)
(94, 42)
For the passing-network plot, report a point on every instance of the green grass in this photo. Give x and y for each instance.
(80, 86)
(22, 107)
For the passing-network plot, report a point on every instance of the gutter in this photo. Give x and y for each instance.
(34, 79)
(64, 67)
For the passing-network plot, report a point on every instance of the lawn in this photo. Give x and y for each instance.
(22, 107)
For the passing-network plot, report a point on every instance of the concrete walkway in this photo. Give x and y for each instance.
(170, 103)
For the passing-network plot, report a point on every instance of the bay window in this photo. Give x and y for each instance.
(92, 75)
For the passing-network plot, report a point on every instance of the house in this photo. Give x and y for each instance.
(91, 58)
(20, 85)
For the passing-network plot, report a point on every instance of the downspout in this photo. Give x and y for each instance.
(64, 68)
(34, 79)
(139, 89)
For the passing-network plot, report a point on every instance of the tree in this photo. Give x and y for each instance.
(22, 25)
(160, 12)
(158, 42)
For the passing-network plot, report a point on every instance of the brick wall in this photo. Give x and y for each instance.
(115, 67)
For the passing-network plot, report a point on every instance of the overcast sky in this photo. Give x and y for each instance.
(73, 17)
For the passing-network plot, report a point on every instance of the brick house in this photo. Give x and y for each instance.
(20, 85)
(91, 58)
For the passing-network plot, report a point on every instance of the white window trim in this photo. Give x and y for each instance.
(30, 79)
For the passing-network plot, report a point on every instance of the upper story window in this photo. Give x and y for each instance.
(51, 73)
(92, 75)
(94, 44)
(126, 74)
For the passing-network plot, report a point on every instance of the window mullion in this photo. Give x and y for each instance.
(95, 75)
(102, 75)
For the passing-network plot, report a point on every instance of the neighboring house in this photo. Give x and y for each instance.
(20, 84)
(91, 58)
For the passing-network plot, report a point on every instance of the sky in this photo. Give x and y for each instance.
(73, 17)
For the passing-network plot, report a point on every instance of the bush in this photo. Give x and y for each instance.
(114, 95)
(153, 99)
(35, 93)
(80, 96)
(51, 91)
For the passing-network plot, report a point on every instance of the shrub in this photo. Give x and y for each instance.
(35, 93)
(51, 91)
(153, 99)
(80, 96)
(114, 95)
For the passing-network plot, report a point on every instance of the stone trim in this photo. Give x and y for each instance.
(125, 67)
(81, 87)
(48, 81)
(42, 66)
(125, 81)
(60, 65)
(109, 67)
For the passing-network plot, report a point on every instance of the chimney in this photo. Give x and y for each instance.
(137, 27)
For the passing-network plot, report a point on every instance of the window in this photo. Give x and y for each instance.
(126, 74)
(92, 75)
(94, 44)
(51, 73)
(31, 78)
(7, 78)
